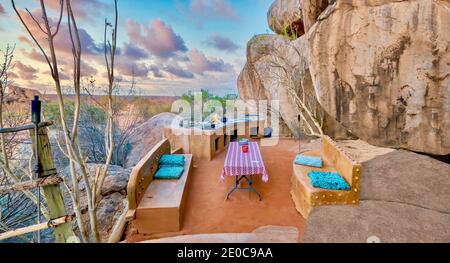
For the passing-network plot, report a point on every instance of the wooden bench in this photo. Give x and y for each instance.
(306, 197)
(156, 206)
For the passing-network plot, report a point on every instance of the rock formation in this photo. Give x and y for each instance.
(380, 68)
(295, 17)
(147, 135)
(113, 200)
(412, 208)
(311, 11)
(285, 17)
(17, 95)
(277, 69)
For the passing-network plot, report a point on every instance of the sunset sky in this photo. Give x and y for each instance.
(172, 46)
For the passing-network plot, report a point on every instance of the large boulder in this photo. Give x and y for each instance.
(277, 70)
(376, 221)
(147, 135)
(16, 95)
(113, 197)
(285, 18)
(109, 210)
(404, 198)
(115, 182)
(311, 10)
(381, 68)
(292, 18)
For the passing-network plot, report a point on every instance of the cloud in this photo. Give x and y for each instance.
(63, 75)
(91, 51)
(33, 54)
(13, 76)
(87, 70)
(88, 45)
(200, 63)
(156, 71)
(129, 69)
(25, 72)
(24, 39)
(222, 43)
(210, 9)
(82, 9)
(62, 40)
(133, 52)
(158, 38)
(177, 71)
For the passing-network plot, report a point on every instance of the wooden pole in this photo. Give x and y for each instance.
(29, 229)
(52, 193)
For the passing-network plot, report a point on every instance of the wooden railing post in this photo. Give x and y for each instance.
(52, 193)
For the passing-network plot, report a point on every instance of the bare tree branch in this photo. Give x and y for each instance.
(61, 3)
(35, 21)
(33, 37)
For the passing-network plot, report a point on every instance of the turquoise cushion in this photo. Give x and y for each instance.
(309, 161)
(328, 180)
(172, 160)
(169, 173)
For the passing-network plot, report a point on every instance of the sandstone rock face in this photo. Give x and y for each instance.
(311, 9)
(389, 222)
(382, 69)
(295, 17)
(404, 198)
(378, 67)
(285, 17)
(264, 78)
(147, 135)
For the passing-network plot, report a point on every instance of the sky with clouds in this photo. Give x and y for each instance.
(169, 46)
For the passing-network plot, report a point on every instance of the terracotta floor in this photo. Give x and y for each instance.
(207, 211)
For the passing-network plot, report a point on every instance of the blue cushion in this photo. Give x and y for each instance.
(172, 160)
(309, 161)
(169, 173)
(328, 180)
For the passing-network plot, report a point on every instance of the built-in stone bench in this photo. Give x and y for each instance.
(157, 206)
(335, 159)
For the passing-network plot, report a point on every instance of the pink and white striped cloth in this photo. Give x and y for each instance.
(238, 163)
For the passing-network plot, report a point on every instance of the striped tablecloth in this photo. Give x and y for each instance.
(238, 163)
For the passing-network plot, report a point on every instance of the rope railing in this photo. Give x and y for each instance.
(22, 186)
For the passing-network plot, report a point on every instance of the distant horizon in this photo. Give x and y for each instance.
(52, 92)
(170, 46)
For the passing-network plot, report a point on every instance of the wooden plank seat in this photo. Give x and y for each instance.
(157, 206)
(306, 197)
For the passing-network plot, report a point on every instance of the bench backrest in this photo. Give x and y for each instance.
(142, 175)
(343, 163)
